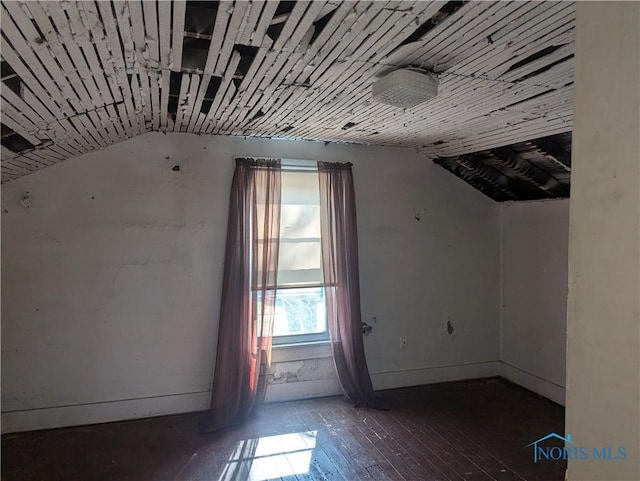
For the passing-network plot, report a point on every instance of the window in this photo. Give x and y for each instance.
(300, 305)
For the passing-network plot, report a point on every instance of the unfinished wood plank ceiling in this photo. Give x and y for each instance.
(78, 76)
(532, 170)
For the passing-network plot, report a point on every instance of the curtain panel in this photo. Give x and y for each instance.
(248, 292)
(341, 277)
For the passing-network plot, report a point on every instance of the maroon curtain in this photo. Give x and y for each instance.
(248, 292)
(340, 267)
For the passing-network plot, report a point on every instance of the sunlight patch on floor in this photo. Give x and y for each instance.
(270, 457)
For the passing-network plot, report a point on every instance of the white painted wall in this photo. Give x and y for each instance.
(111, 280)
(603, 337)
(534, 266)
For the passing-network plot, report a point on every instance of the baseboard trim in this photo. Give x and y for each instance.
(103, 412)
(431, 375)
(534, 383)
(383, 380)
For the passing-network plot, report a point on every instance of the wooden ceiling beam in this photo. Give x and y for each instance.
(530, 172)
(552, 151)
(487, 173)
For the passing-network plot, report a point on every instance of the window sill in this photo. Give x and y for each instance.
(301, 352)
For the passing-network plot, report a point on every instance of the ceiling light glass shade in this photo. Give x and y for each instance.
(405, 88)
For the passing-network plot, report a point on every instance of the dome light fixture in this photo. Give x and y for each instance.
(405, 88)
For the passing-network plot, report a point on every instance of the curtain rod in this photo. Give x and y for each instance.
(296, 165)
(288, 165)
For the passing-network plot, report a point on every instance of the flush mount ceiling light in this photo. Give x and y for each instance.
(405, 88)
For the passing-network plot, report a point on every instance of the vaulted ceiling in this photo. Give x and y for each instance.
(78, 76)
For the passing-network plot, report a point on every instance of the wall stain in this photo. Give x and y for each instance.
(449, 327)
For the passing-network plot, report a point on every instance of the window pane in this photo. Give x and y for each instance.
(299, 263)
(300, 311)
(300, 258)
(300, 221)
(300, 188)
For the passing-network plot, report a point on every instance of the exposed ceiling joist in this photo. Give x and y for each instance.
(551, 150)
(522, 171)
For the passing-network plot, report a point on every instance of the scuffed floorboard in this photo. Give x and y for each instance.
(470, 430)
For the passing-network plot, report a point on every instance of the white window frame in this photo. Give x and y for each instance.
(310, 166)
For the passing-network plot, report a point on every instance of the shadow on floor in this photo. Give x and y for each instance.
(469, 430)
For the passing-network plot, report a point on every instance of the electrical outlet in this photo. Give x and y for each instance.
(403, 342)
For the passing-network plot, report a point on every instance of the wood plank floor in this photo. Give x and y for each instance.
(469, 430)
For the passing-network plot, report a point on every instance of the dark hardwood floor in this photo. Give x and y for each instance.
(470, 430)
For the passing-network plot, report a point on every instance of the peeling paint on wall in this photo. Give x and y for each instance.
(307, 370)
